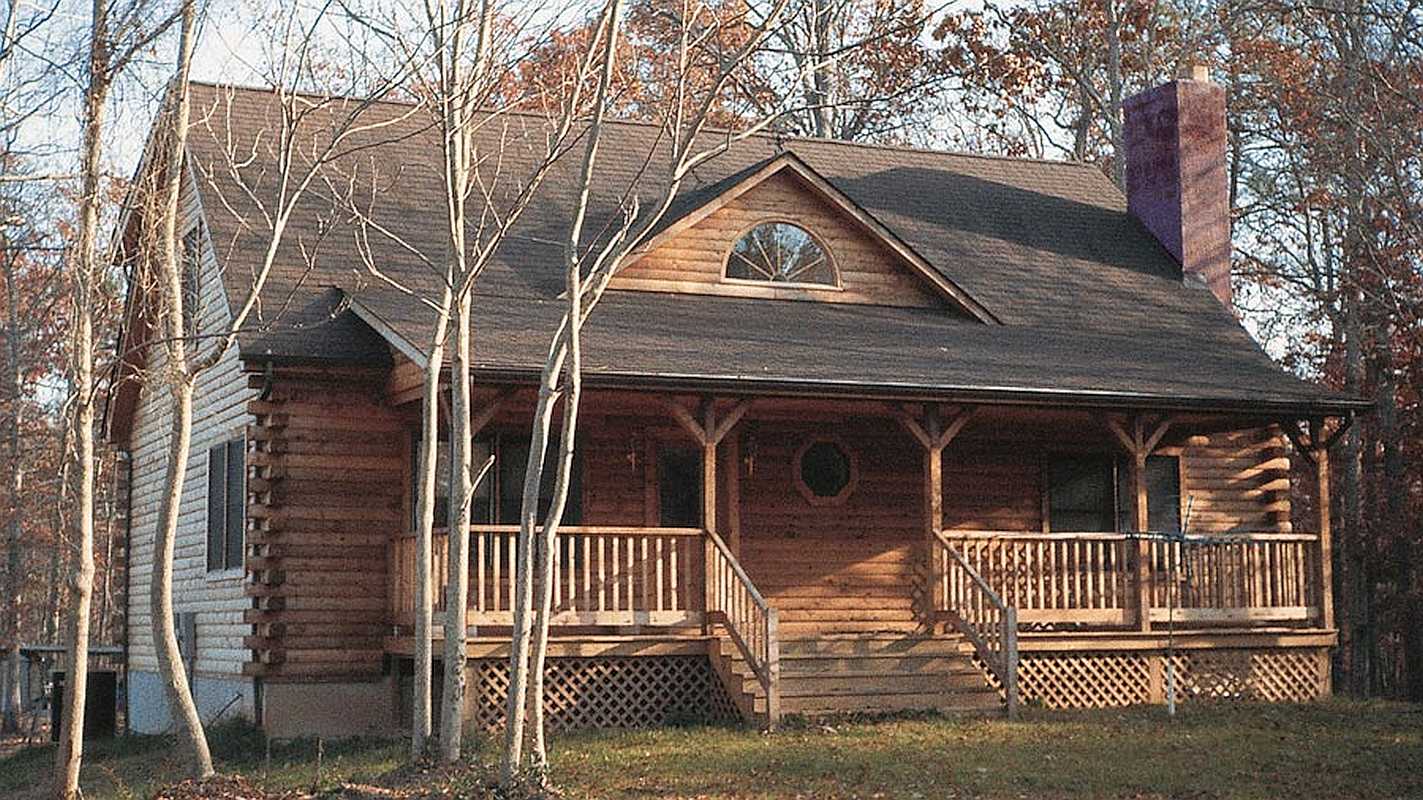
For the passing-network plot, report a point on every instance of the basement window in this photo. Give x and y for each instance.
(781, 253)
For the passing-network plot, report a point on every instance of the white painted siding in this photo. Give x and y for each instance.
(219, 414)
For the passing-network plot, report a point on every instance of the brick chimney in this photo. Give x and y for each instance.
(1176, 174)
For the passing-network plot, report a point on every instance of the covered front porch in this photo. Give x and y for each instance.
(923, 550)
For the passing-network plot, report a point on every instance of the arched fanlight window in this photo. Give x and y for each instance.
(780, 252)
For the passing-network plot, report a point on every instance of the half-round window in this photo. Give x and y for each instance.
(780, 252)
(825, 471)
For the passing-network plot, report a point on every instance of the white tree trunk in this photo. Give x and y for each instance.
(71, 738)
(160, 587)
(568, 347)
(457, 590)
(180, 392)
(424, 541)
(523, 599)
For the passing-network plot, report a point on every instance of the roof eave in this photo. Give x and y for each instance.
(989, 395)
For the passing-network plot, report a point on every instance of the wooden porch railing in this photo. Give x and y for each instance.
(602, 576)
(750, 621)
(1055, 577)
(1253, 577)
(981, 613)
(1092, 578)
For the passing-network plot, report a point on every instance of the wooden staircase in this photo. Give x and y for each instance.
(863, 673)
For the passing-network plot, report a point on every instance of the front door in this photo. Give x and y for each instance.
(679, 486)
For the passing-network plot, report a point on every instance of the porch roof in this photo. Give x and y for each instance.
(684, 341)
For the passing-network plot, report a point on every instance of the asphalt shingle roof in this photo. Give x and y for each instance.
(1091, 305)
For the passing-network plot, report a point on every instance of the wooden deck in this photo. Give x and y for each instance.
(1061, 611)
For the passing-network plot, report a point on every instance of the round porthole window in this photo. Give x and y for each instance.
(825, 471)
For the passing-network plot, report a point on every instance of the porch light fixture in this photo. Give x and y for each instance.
(826, 471)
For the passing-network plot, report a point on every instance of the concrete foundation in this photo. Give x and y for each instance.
(330, 710)
(148, 705)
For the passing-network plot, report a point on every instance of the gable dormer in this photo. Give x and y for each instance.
(783, 232)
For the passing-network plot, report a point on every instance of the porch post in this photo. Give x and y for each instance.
(934, 436)
(1313, 443)
(708, 432)
(934, 515)
(1142, 523)
(709, 442)
(1325, 572)
(1139, 443)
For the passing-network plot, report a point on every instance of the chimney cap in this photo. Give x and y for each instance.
(1194, 71)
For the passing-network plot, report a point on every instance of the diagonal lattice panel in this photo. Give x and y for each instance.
(610, 692)
(1085, 680)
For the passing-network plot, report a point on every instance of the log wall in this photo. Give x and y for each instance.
(330, 480)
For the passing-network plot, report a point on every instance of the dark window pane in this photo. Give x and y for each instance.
(482, 507)
(217, 505)
(825, 469)
(1163, 494)
(192, 278)
(510, 463)
(679, 486)
(1080, 495)
(236, 501)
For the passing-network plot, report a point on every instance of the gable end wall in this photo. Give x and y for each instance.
(693, 260)
(219, 414)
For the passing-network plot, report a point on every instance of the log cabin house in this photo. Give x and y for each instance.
(866, 428)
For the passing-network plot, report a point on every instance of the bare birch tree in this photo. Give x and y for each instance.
(487, 187)
(702, 74)
(287, 166)
(117, 33)
(179, 379)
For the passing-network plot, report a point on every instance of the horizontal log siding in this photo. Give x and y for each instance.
(845, 567)
(1240, 480)
(617, 472)
(219, 413)
(694, 259)
(319, 606)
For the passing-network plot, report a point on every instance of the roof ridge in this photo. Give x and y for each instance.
(938, 151)
(767, 136)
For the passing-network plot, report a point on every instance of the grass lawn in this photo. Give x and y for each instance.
(1329, 750)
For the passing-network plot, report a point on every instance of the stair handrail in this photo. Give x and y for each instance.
(978, 611)
(751, 623)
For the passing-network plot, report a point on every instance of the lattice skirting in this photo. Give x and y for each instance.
(1113, 679)
(610, 692)
(1276, 676)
